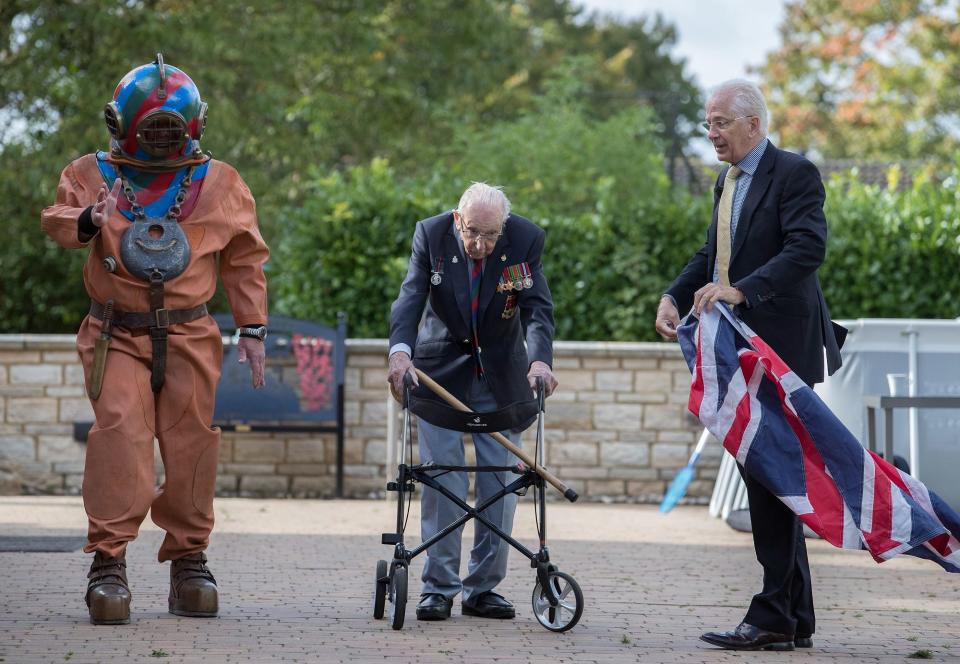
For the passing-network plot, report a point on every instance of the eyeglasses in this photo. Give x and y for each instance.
(721, 125)
(472, 236)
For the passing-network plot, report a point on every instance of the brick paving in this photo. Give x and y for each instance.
(296, 581)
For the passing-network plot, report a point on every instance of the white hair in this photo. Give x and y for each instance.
(483, 195)
(746, 99)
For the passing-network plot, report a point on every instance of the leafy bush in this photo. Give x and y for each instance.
(345, 247)
(616, 228)
(893, 254)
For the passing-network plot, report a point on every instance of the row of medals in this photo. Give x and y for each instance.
(517, 284)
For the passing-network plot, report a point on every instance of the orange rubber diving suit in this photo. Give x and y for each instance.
(216, 213)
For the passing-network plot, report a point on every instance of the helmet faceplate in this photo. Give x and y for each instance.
(156, 114)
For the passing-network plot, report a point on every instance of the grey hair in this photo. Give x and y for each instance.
(746, 99)
(481, 194)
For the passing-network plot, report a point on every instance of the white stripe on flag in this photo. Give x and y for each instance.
(706, 338)
(800, 505)
(901, 527)
(852, 538)
(866, 493)
(756, 413)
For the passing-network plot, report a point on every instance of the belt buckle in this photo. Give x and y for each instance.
(161, 318)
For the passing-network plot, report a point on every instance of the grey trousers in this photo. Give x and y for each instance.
(488, 558)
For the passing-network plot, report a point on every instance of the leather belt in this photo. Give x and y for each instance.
(162, 318)
(157, 320)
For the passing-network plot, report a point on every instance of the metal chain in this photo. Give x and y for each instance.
(172, 213)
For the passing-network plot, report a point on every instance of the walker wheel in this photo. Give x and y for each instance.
(398, 596)
(380, 589)
(567, 612)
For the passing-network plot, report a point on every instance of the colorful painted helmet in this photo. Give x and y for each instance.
(156, 116)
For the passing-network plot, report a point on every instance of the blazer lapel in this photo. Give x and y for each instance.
(458, 273)
(758, 187)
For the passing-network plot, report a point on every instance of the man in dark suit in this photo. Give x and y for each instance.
(767, 239)
(476, 290)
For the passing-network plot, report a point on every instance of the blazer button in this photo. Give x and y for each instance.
(466, 341)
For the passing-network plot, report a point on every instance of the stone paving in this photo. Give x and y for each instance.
(296, 581)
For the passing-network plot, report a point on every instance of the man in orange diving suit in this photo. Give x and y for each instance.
(160, 219)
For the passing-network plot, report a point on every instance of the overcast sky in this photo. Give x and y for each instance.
(719, 38)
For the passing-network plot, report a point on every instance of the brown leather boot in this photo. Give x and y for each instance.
(108, 595)
(193, 590)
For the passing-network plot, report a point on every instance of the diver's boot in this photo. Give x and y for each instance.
(193, 590)
(108, 595)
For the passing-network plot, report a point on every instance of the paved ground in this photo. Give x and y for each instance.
(296, 582)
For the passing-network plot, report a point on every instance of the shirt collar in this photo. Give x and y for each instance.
(749, 163)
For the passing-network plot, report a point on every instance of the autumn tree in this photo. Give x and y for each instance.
(867, 78)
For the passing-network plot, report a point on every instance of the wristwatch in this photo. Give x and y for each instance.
(253, 332)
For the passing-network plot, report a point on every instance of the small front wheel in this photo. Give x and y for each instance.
(380, 589)
(568, 610)
(398, 595)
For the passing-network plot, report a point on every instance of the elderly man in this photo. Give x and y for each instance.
(477, 273)
(763, 248)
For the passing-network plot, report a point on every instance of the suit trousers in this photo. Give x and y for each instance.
(785, 603)
(488, 558)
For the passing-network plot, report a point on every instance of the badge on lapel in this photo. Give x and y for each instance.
(509, 307)
(515, 278)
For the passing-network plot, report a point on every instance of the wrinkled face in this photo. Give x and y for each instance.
(480, 227)
(733, 135)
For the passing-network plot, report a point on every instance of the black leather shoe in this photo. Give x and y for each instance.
(748, 637)
(488, 605)
(434, 606)
(803, 641)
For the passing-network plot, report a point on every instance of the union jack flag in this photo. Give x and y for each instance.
(777, 427)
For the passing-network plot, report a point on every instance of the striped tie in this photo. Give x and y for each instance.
(476, 276)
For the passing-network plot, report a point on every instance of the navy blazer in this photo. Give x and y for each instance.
(781, 240)
(441, 346)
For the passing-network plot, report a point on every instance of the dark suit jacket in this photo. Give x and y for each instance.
(780, 242)
(441, 346)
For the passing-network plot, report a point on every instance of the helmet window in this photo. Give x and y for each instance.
(162, 133)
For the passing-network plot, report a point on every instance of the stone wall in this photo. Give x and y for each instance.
(617, 428)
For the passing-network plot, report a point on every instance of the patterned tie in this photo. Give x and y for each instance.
(476, 276)
(724, 218)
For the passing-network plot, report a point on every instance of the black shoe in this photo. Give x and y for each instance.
(803, 641)
(434, 606)
(488, 605)
(748, 637)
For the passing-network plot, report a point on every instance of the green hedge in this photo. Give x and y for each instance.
(893, 254)
(615, 225)
(617, 233)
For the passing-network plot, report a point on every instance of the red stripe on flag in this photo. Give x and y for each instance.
(822, 492)
(778, 366)
(696, 388)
